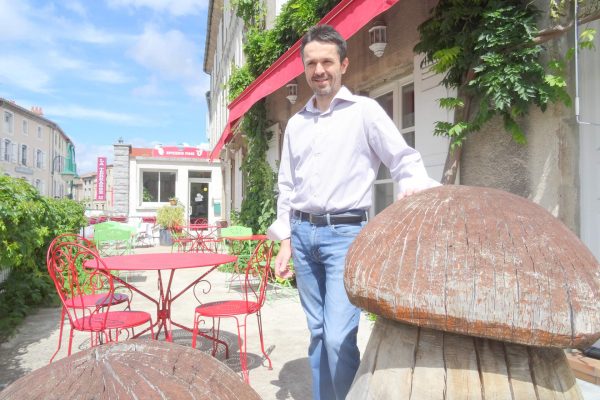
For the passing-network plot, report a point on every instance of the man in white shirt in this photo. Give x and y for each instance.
(332, 150)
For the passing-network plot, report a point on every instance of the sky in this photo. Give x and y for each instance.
(108, 69)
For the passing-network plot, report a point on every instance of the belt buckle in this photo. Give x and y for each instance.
(311, 220)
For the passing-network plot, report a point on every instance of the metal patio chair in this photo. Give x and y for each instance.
(256, 276)
(66, 267)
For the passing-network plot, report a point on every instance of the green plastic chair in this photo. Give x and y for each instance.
(243, 250)
(114, 238)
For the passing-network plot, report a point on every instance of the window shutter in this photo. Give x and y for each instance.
(15, 153)
(2, 146)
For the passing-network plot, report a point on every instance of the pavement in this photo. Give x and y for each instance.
(284, 327)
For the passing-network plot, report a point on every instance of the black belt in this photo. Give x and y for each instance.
(348, 217)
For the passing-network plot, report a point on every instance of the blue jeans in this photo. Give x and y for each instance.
(319, 254)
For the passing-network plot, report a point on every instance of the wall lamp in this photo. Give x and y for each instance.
(292, 92)
(378, 38)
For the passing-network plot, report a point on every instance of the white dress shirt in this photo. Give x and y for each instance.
(330, 159)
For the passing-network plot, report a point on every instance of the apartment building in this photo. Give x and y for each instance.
(85, 191)
(36, 149)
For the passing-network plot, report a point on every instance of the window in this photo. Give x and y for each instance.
(8, 122)
(158, 186)
(39, 159)
(25, 127)
(23, 154)
(398, 101)
(39, 132)
(6, 150)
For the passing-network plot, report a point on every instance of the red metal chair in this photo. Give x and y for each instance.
(254, 287)
(66, 267)
(94, 298)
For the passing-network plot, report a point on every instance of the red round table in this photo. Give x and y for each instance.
(162, 262)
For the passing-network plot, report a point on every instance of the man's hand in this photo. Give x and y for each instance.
(282, 269)
(407, 193)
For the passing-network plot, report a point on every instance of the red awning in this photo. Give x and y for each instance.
(348, 17)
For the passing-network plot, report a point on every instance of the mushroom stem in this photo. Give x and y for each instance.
(407, 362)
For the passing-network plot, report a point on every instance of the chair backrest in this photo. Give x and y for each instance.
(74, 282)
(68, 238)
(257, 272)
(236, 230)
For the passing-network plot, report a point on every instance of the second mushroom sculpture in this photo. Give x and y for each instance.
(477, 292)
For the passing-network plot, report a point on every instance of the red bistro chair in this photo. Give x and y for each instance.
(94, 298)
(254, 287)
(65, 265)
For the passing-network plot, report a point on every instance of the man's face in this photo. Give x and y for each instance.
(323, 69)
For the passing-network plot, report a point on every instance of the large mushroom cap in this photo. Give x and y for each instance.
(480, 262)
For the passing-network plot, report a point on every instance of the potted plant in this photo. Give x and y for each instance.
(173, 201)
(168, 218)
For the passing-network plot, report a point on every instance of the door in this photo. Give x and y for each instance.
(199, 196)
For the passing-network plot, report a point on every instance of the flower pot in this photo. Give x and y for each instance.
(165, 238)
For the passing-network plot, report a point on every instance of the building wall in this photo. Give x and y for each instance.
(46, 146)
(137, 207)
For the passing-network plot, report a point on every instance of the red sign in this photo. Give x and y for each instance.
(179, 152)
(101, 179)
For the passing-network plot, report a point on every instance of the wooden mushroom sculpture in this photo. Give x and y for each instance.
(476, 291)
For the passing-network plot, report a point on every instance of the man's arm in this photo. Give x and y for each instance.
(282, 261)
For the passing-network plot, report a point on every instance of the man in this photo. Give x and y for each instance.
(331, 154)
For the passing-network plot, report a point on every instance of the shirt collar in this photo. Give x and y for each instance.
(344, 94)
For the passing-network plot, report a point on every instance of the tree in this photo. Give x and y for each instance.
(491, 52)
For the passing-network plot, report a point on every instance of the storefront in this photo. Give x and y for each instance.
(162, 175)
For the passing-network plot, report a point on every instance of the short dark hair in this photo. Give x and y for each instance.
(324, 34)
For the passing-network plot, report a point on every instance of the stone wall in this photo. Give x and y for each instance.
(121, 178)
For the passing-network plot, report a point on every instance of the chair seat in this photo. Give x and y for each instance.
(95, 300)
(228, 307)
(115, 319)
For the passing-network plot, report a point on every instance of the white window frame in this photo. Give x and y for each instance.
(40, 133)
(23, 154)
(141, 185)
(25, 127)
(395, 88)
(8, 122)
(39, 159)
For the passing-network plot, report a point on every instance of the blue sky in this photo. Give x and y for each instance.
(105, 69)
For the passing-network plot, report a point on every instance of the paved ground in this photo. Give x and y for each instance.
(284, 324)
(286, 338)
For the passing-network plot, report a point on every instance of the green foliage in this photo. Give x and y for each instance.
(169, 216)
(262, 48)
(258, 206)
(28, 223)
(487, 52)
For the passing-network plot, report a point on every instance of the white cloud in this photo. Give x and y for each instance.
(174, 7)
(76, 7)
(13, 21)
(78, 112)
(151, 89)
(170, 53)
(21, 72)
(106, 76)
(86, 156)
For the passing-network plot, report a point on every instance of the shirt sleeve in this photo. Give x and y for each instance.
(280, 229)
(405, 163)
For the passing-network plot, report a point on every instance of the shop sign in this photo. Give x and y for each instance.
(179, 152)
(101, 179)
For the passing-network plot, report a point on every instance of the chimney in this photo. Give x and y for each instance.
(37, 110)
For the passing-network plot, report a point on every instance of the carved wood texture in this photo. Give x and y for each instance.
(407, 362)
(479, 262)
(135, 369)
